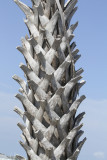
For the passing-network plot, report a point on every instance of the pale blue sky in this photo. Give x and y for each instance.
(91, 39)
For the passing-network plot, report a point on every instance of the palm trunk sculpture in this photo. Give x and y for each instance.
(49, 96)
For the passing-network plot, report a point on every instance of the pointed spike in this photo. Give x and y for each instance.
(75, 52)
(34, 64)
(72, 46)
(21, 82)
(77, 151)
(21, 126)
(31, 141)
(19, 96)
(26, 44)
(21, 49)
(19, 157)
(30, 74)
(68, 19)
(64, 120)
(69, 86)
(67, 2)
(30, 152)
(70, 36)
(81, 84)
(79, 118)
(27, 104)
(70, 7)
(76, 103)
(81, 143)
(77, 128)
(76, 139)
(79, 134)
(19, 111)
(76, 79)
(76, 58)
(78, 72)
(28, 12)
(25, 146)
(73, 27)
(81, 98)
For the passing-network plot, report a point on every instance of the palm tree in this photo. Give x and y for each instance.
(49, 96)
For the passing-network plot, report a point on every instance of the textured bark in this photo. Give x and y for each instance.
(49, 95)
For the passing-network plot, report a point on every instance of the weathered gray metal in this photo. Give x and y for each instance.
(49, 97)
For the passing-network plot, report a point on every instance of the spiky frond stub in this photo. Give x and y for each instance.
(49, 97)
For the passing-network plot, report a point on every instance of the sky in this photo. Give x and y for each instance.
(91, 40)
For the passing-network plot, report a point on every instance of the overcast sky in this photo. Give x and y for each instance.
(91, 39)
